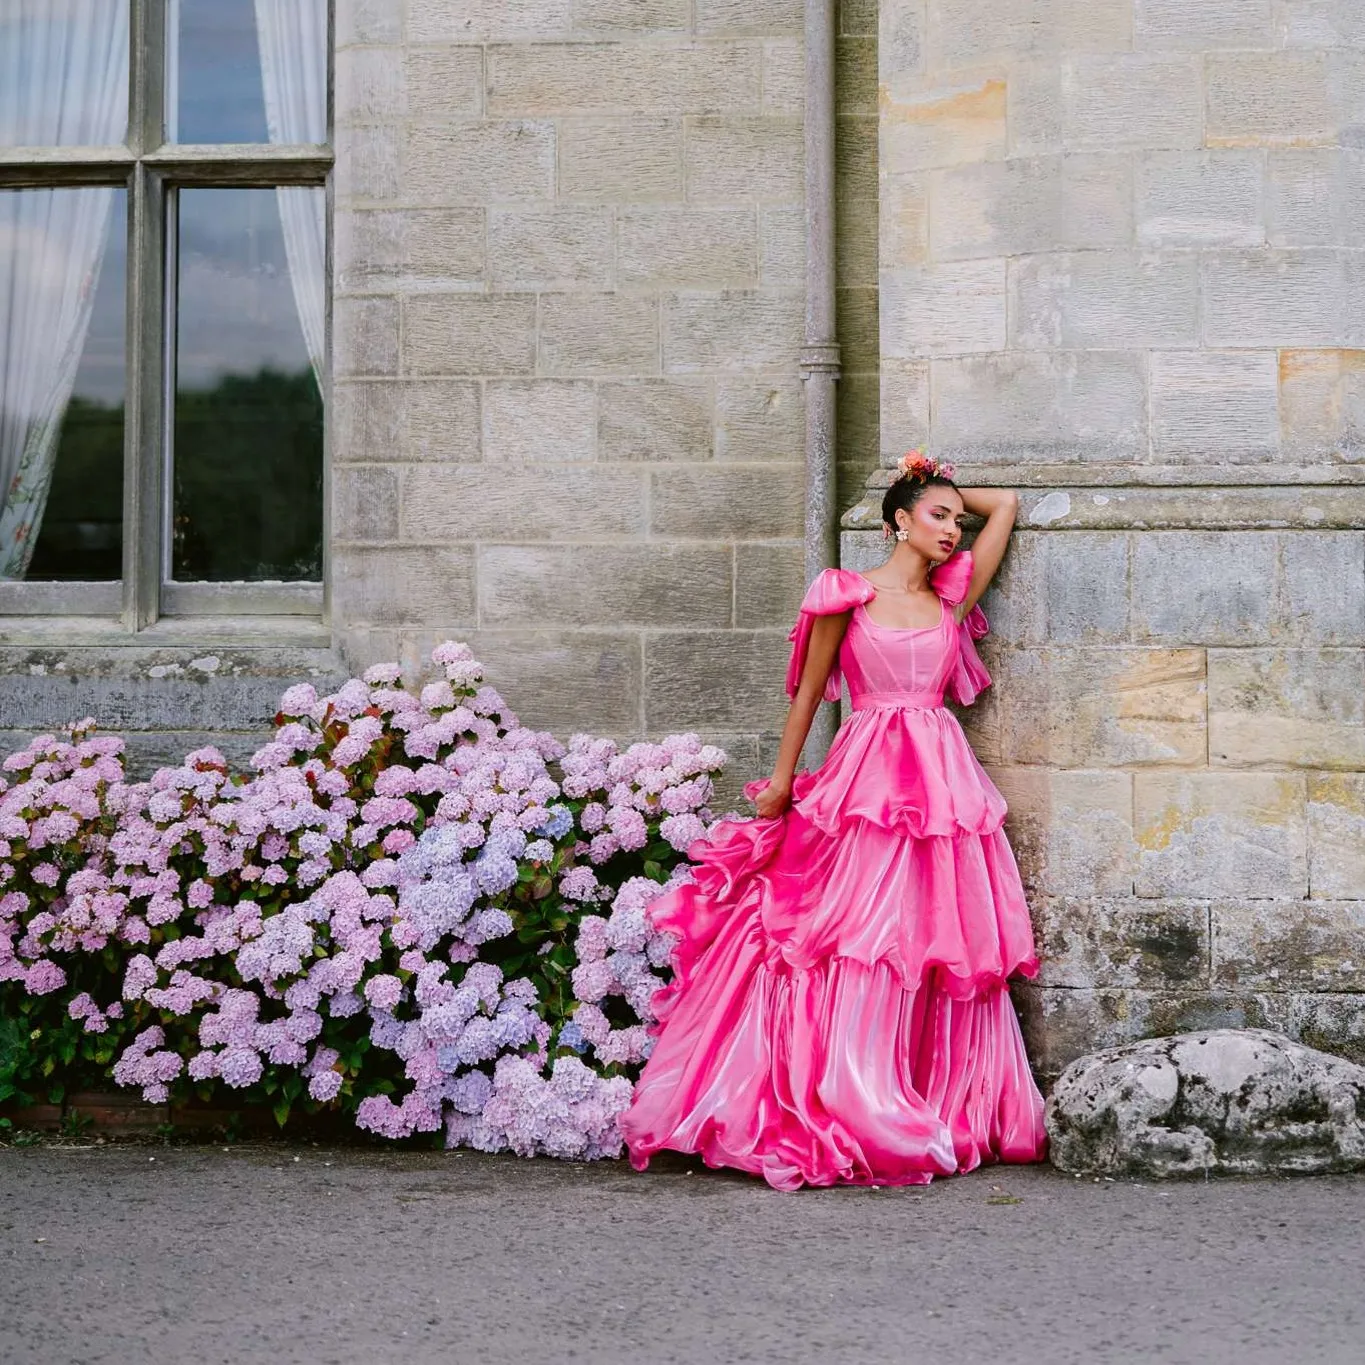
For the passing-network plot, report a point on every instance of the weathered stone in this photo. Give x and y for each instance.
(599, 334)
(364, 336)
(401, 585)
(1322, 404)
(855, 158)
(392, 250)
(1315, 197)
(400, 420)
(371, 85)
(1336, 835)
(949, 309)
(723, 502)
(904, 222)
(646, 16)
(1209, 405)
(1072, 832)
(447, 21)
(365, 503)
(770, 581)
(484, 162)
(1201, 199)
(699, 679)
(759, 420)
(1220, 834)
(368, 165)
(1289, 945)
(963, 32)
(941, 121)
(1211, 24)
(1330, 1021)
(559, 248)
(732, 331)
(1268, 99)
(1104, 298)
(1287, 708)
(904, 407)
(734, 160)
(1322, 588)
(443, 81)
(621, 160)
(655, 419)
(1234, 599)
(714, 248)
(784, 74)
(1237, 1102)
(1121, 942)
(856, 242)
(1047, 407)
(748, 16)
(782, 249)
(464, 334)
(1280, 299)
(901, 33)
(540, 421)
(368, 21)
(605, 585)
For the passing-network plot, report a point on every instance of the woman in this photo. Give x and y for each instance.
(839, 1010)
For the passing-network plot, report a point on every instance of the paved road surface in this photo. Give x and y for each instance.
(271, 1254)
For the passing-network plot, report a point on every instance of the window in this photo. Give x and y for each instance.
(163, 306)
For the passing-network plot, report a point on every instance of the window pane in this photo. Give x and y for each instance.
(63, 73)
(62, 383)
(247, 486)
(247, 71)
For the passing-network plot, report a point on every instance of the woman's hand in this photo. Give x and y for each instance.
(773, 799)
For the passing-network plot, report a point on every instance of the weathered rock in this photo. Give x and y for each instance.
(1234, 1101)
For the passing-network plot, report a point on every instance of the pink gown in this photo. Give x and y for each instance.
(839, 1010)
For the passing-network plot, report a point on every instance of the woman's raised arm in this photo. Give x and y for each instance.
(999, 506)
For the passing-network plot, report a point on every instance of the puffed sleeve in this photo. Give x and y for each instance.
(951, 580)
(834, 591)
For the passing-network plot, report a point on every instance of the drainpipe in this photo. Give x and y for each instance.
(820, 354)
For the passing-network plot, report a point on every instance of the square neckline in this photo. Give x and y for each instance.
(902, 630)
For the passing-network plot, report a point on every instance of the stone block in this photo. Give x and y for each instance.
(858, 323)
(368, 21)
(1203, 587)
(1272, 99)
(732, 332)
(1322, 588)
(1322, 404)
(1289, 945)
(605, 585)
(364, 503)
(702, 680)
(1336, 835)
(1048, 407)
(655, 420)
(855, 158)
(1106, 103)
(902, 32)
(465, 334)
(856, 244)
(968, 32)
(1215, 407)
(721, 502)
(368, 165)
(714, 248)
(1085, 587)
(736, 160)
(477, 21)
(395, 420)
(1221, 834)
(1122, 942)
(1316, 197)
(1030, 204)
(742, 17)
(784, 75)
(632, 16)
(443, 81)
(1201, 27)
(859, 421)
(364, 337)
(1293, 299)
(942, 121)
(621, 160)
(370, 85)
(403, 585)
(1296, 708)
(770, 582)
(949, 309)
(1332, 1023)
(760, 420)
(562, 680)
(623, 78)
(1322, 23)
(484, 162)
(377, 251)
(1072, 832)
(1193, 199)
(858, 17)
(552, 249)
(782, 249)
(903, 221)
(460, 502)
(599, 334)
(1073, 708)
(904, 407)
(539, 421)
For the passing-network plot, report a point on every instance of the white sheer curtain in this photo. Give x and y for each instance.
(63, 82)
(293, 39)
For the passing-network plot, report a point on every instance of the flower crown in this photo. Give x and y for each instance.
(917, 465)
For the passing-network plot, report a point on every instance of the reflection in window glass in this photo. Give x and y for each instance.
(247, 488)
(62, 383)
(63, 73)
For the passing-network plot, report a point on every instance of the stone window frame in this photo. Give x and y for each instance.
(149, 169)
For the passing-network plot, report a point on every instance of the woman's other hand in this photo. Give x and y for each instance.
(773, 799)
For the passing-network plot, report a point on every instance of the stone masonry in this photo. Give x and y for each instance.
(1122, 268)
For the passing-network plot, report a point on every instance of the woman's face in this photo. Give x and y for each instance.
(934, 523)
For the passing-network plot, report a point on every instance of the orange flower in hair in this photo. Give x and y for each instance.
(915, 464)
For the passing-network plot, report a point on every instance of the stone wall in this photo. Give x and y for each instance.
(1122, 268)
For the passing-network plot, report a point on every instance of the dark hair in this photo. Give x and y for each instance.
(907, 491)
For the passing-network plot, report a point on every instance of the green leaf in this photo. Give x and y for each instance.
(281, 1112)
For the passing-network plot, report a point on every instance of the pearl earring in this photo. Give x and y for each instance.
(902, 534)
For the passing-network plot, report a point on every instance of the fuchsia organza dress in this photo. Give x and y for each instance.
(839, 1010)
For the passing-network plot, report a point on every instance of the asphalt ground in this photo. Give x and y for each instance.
(280, 1254)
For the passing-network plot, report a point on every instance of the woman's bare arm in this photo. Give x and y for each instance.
(999, 506)
(825, 639)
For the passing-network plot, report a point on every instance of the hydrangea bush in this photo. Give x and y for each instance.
(413, 910)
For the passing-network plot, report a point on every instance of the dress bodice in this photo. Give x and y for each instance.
(888, 661)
